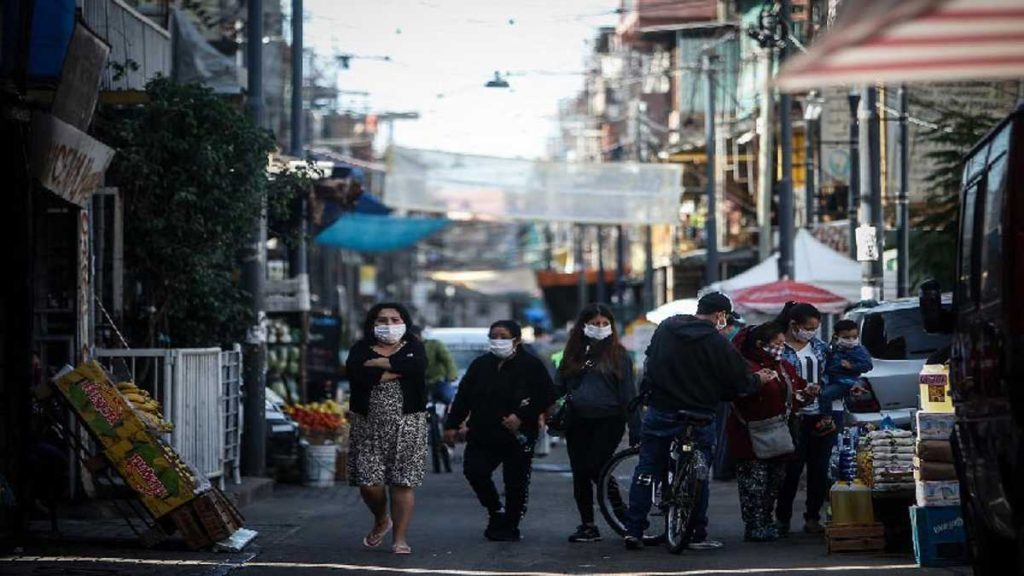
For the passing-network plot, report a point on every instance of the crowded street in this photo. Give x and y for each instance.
(500, 288)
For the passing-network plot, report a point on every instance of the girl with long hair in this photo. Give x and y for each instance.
(596, 373)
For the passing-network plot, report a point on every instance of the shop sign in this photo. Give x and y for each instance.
(867, 243)
(66, 160)
(79, 87)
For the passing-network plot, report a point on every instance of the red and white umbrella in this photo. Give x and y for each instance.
(902, 41)
(772, 297)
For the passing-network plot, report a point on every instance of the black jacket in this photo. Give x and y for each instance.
(492, 389)
(599, 393)
(410, 362)
(690, 366)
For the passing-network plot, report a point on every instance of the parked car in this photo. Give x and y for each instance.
(464, 344)
(282, 436)
(894, 334)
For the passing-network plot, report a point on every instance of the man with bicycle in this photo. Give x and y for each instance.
(690, 367)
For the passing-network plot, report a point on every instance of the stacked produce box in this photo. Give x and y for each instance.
(934, 472)
(127, 424)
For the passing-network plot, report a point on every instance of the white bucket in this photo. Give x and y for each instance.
(318, 466)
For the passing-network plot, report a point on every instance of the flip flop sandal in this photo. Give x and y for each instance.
(373, 539)
(401, 549)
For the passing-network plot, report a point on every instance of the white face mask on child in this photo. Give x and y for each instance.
(848, 342)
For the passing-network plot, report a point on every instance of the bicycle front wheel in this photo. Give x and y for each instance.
(613, 496)
(683, 503)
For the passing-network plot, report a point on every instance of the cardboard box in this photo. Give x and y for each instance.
(935, 425)
(939, 535)
(938, 494)
(934, 384)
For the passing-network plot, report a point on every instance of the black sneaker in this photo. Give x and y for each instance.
(633, 543)
(585, 533)
(782, 528)
(495, 524)
(506, 534)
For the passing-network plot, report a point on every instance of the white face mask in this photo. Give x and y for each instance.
(803, 335)
(502, 348)
(389, 333)
(597, 332)
(848, 342)
(721, 325)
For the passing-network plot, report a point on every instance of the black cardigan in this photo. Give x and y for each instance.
(409, 362)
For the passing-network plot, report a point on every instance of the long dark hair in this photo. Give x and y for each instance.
(371, 318)
(798, 312)
(609, 352)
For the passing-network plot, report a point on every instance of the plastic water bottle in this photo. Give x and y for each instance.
(524, 441)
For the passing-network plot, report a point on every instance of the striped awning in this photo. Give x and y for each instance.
(901, 41)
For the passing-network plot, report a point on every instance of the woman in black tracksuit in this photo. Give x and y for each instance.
(597, 372)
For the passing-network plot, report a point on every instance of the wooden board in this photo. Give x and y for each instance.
(855, 537)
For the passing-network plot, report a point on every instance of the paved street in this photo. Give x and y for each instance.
(307, 531)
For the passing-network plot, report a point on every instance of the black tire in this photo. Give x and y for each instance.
(682, 512)
(990, 554)
(611, 502)
(436, 443)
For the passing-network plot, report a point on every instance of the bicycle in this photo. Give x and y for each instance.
(673, 511)
(440, 457)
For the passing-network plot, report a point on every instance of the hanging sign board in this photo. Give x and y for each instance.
(66, 160)
(867, 244)
(79, 87)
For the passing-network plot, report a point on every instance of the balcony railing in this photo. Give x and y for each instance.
(139, 47)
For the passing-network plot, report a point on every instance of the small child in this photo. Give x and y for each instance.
(847, 359)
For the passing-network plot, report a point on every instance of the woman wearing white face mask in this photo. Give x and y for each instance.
(388, 444)
(503, 394)
(596, 377)
(807, 353)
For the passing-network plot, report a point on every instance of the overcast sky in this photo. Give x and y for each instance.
(443, 51)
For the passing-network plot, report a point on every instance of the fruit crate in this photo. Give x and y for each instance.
(207, 519)
(855, 537)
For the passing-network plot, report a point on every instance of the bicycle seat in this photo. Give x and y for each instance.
(698, 418)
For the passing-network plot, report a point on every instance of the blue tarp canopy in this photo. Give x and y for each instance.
(377, 232)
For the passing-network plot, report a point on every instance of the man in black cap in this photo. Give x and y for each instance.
(690, 366)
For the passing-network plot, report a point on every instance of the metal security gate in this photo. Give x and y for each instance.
(199, 389)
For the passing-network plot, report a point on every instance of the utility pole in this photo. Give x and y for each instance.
(766, 157)
(812, 111)
(620, 280)
(299, 263)
(877, 215)
(253, 276)
(648, 231)
(902, 208)
(581, 269)
(787, 229)
(711, 222)
(602, 288)
(853, 191)
(871, 201)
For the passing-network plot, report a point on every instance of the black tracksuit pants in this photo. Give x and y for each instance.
(591, 443)
(479, 464)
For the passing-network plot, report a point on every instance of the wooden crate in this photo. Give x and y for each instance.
(207, 519)
(855, 537)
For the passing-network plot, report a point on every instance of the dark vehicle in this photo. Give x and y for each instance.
(987, 350)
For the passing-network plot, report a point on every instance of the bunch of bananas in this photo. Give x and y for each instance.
(147, 409)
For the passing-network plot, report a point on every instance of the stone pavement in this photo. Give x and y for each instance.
(314, 531)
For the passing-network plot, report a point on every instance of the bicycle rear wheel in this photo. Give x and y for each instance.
(613, 496)
(683, 502)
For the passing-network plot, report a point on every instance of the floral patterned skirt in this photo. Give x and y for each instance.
(387, 447)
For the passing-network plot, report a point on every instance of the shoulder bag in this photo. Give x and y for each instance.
(563, 416)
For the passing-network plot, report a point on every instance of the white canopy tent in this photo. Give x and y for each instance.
(813, 263)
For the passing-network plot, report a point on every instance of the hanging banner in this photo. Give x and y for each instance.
(66, 160)
(464, 186)
(867, 244)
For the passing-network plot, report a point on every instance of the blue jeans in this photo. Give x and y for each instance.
(830, 393)
(656, 434)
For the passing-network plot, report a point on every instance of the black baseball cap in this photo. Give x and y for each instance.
(714, 302)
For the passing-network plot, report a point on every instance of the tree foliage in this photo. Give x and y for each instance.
(193, 170)
(959, 129)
